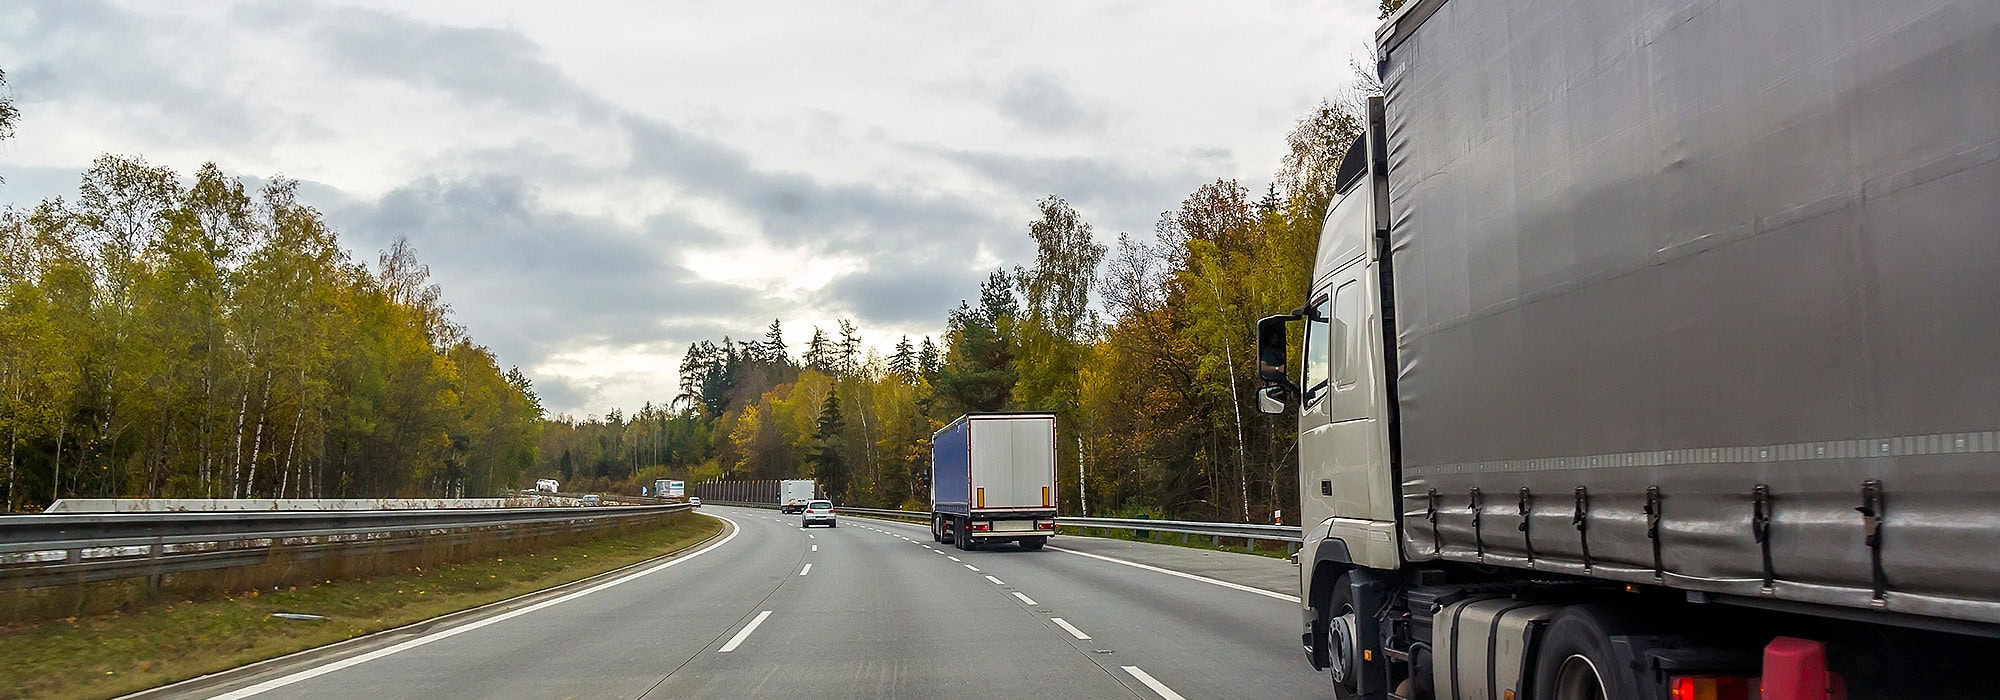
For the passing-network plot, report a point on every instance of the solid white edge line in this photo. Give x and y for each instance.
(807, 568)
(744, 633)
(996, 582)
(318, 671)
(1153, 683)
(1025, 599)
(1185, 575)
(1067, 627)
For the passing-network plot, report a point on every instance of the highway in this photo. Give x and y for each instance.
(868, 609)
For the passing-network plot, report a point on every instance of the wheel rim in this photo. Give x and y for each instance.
(1340, 653)
(1577, 679)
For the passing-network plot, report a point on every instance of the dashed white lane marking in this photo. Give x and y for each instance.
(996, 582)
(1151, 682)
(810, 537)
(1067, 627)
(310, 673)
(815, 548)
(804, 571)
(1171, 572)
(937, 552)
(947, 556)
(745, 633)
(971, 568)
(1025, 599)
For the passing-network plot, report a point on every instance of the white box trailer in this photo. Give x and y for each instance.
(794, 493)
(993, 479)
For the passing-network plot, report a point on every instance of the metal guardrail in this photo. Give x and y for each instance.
(65, 549)
(1246, 531)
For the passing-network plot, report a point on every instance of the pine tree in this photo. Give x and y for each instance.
(850, 349)
(773, 350)
(828, 460)
(928, 360)
(819, 352)
(903, 364)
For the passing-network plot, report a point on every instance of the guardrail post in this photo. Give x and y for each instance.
(153, 558)
(1215, 541)
(1291, 548)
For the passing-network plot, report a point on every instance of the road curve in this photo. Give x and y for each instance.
(868, 609)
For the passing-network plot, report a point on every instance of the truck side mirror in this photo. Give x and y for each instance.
(1271, 350)
(1271, 400)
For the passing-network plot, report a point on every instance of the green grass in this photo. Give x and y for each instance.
(1275, 550)
(121, 652)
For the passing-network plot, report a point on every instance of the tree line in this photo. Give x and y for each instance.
(1142, 348)
(166, 338)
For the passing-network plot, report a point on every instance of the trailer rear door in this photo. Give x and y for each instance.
(1013, 463)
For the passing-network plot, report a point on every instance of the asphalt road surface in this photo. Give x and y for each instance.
(868, 609)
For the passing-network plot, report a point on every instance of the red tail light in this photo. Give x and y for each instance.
(981, 527)
(1711, 688)
(1045, 525)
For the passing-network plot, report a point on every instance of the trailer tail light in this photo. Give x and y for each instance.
(982, 527)
(1711, 688)
(1045, 496)
(1795, 669)
(1045, 524)
(980, 495)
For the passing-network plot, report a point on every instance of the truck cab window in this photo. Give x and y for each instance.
(1346, 336)
(1318, 353)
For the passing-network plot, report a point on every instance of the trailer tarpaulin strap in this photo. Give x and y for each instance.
(1581, 519)
(1478, 542)
(1760, 528)
(1527, 538)
(1431, 514)
(1871, 518)
(1653, 530)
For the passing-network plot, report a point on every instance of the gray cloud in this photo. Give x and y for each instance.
(529, 280)
(91, 51)
(908, 295)
(1039, 103)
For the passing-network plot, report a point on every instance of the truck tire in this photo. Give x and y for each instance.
(1033, 543)
(1342, 669)
(1575, 661)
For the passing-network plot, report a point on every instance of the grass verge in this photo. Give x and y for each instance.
(1266, 548)
(117, 653)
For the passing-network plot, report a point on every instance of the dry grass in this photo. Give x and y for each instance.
(134, 648)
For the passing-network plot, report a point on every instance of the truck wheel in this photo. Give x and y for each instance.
(1343, 653)
(1575, 661)
(1033, 543)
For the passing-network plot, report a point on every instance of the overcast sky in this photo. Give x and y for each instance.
(596, 185)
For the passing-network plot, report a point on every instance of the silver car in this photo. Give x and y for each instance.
(820, 512)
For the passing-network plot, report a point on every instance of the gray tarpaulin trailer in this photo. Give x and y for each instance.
(1697, 296)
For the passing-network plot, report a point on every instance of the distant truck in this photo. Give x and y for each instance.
(1652, 351)
(794, 493)
(993, 480)
(547, 485)
(669, 488)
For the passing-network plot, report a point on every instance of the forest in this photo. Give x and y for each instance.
(1142, 348)
(206, 341)
(163, 336)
